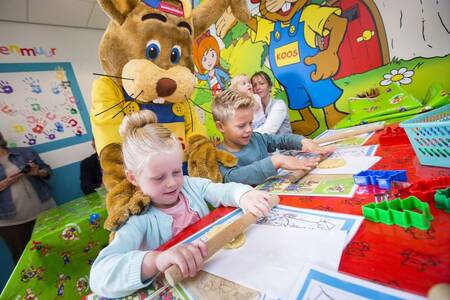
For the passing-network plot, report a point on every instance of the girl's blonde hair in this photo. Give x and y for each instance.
(143, 137)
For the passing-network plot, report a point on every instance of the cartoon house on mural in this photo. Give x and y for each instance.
(379, 36)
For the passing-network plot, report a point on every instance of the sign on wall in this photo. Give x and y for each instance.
(41, 106)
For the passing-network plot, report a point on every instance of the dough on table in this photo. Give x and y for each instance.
(237, 242)
(332, 163)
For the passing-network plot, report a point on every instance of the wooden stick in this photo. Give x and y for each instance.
(350, 133)
(295, 176)
(215, 243)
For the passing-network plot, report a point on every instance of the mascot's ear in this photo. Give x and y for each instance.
(117, 10)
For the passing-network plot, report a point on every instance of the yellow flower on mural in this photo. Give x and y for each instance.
(402, 76)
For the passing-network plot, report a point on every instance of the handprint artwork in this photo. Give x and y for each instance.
(39, 107)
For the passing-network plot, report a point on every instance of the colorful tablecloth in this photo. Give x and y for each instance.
(63, 246)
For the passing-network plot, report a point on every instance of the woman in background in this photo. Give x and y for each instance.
(276, 111)
(24, 193)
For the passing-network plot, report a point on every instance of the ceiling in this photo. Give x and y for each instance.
(73, 13)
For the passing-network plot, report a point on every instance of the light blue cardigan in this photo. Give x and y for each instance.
(117, 270)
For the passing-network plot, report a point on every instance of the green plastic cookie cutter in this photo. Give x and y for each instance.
(408, 212)
(442, 198)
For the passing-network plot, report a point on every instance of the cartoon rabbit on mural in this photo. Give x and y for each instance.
(290, 29)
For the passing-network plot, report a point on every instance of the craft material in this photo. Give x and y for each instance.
(405, 213)
(231, 231)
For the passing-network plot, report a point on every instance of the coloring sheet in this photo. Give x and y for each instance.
(358, 151)
(207, 286)
(311, 185)
(41, 106)
(287, 216)
(271, 265)
(320, 283)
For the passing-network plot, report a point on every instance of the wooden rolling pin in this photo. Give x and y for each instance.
(295, 176)
(350, 133)
(215, 243)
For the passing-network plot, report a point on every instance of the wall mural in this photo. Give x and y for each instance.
(336, 63)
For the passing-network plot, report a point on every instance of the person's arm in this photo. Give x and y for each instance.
(121, 268)
(274, 118)
(216, 193)
(38, 167)
(8, 181)
(254, 173)
(117, 270)
(282, 141)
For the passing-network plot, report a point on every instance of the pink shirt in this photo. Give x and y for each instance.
(182, 215)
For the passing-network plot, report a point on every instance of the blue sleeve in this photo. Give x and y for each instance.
(253, 174)
(204, 77)
(35, 158)
(282, 142)
(117, 270)
(226, 194)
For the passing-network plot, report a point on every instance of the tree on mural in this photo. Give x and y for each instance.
(289, 28)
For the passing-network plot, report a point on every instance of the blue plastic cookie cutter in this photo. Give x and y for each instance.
(380, 178)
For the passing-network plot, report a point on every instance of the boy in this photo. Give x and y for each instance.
(233, 115)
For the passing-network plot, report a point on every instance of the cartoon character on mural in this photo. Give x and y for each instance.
(206, 53)
(290, 28)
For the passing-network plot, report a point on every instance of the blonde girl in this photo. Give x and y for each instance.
(153, 160)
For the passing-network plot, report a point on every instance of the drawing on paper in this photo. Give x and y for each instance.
(311, 185)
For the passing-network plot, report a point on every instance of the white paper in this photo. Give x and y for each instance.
(355, 151)
(316, 282)
(272, 257)
(311, 219)
(353, 165)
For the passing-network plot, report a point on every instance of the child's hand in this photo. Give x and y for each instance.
(256, 202)
(312, 147)
(293, 163)
(188, 257)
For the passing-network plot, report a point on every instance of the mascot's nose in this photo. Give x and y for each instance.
(165, 87)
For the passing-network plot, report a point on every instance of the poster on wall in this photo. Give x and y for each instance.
(41, 106)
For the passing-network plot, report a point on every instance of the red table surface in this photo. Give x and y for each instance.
(408, 259)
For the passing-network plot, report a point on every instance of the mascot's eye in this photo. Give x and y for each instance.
(175, 54)
(153, 49)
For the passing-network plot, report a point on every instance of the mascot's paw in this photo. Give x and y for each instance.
(240, 10)
(111, 162)
(203, 159)
(138, 203)
(123, 201)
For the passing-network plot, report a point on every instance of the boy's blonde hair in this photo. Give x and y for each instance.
(228, 102)
(143, 137)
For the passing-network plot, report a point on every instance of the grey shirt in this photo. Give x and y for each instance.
(254, 162)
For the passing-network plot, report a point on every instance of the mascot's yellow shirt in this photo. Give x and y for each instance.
(108, 100)
(314, 17)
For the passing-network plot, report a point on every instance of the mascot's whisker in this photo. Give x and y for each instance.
(189, 100)
(125, 107)
(110, 107)
(98, 74)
